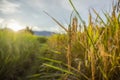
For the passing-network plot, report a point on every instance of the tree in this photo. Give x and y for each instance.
(28, 29)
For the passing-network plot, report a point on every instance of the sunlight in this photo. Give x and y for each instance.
(15, 26)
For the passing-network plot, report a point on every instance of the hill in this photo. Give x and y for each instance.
(43, 33)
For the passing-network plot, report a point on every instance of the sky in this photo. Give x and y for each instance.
(22, 13)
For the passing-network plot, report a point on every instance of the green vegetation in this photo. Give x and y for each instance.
(92, 54)
(17, 55)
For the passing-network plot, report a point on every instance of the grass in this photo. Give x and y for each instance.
(17, 55)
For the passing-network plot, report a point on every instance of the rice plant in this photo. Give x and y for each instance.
(99, 43)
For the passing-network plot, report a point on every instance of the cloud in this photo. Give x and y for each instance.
(1, 20)
(7, 7)
(36, 28)
(30, 12)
